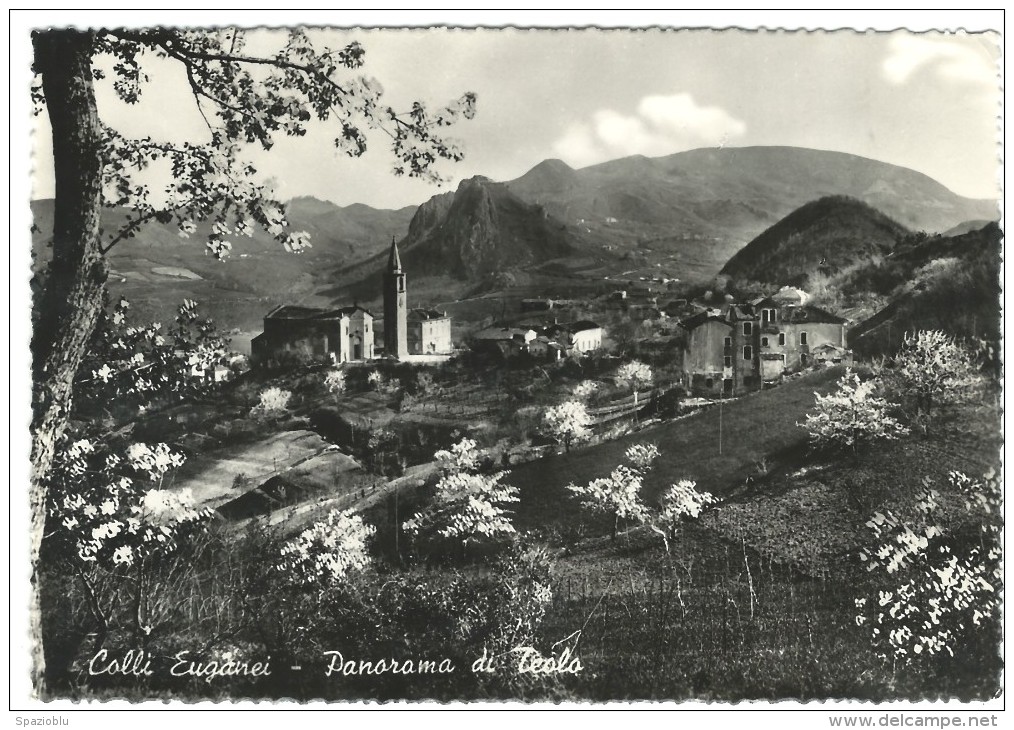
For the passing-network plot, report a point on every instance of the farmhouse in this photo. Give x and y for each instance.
(553, 342)
(740, 347)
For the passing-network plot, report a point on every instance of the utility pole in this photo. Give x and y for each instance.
(720, 399)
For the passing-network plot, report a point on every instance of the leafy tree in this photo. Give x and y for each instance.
(568, 421)
(468, 506)
(932, 368)
(244, 99)
(619, 494)
(852, 416)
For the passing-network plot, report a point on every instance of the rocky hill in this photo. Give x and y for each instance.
(474, 233)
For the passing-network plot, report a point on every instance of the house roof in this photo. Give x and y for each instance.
(809, 313)
(349, 311)
(501, 333)
(426, 314)
(708, 315)
(583, 325)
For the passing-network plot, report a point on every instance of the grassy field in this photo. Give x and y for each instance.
(755, 427)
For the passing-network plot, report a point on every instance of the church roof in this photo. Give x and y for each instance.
(394, 259)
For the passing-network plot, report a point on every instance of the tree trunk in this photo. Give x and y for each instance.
(68, 309)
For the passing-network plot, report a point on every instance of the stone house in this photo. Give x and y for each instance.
(737, 348)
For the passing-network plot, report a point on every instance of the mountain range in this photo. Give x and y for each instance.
(691, 212)
(704, 205)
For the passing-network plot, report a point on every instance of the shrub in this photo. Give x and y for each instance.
(273, 401)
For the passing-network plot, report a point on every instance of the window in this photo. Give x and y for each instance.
(748, 328)
(747, 352)
(728, 342)
(768, 315)
(764, 341)
(802, 338)
(781, 338)
(708, 383)
(728, 361)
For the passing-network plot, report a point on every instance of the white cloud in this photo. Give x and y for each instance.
(951, 60)
(661, 125)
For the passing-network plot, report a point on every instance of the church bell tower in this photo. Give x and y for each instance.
(395, 307)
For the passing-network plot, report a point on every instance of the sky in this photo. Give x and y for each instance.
(929, 102)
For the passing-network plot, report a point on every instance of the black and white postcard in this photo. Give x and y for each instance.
(526, 366)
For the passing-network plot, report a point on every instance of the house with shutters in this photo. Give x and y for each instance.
(737, 348)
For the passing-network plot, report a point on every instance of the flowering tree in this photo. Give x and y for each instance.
(375, 379)
(327, 552)
(244, 99)
(852, 416)
(585, 389)
(273, 401)
(114, 521)
(633, 375)
(680, 502)
(568, 422)
(334, 381)
(947, 594)
(932, 368)
(619, 494)
(136, 365)
(468, 506)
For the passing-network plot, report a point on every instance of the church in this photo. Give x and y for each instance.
(347, 334)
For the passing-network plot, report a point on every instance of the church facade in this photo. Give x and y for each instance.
(344, 334)
(347, 334)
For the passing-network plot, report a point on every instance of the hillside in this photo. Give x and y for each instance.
(158, 269)
(823, 237)
(945, 282)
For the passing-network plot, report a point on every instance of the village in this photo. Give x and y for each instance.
(370, 399)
